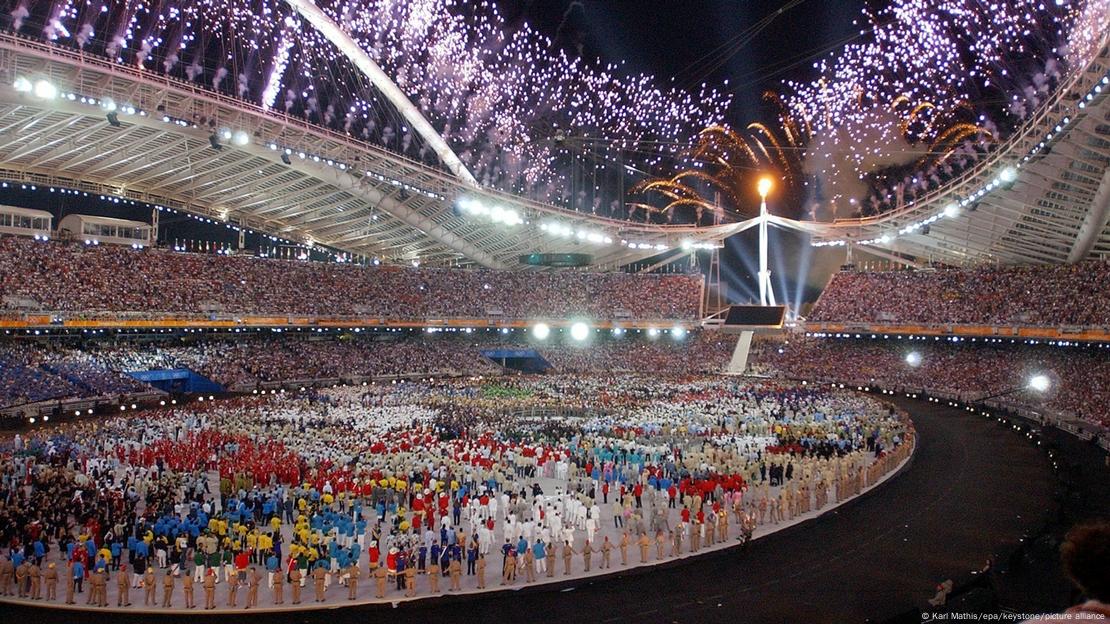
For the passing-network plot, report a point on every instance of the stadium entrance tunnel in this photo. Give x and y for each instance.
(524, 360)
(178, 381)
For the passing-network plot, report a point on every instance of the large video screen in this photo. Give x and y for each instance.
(760, 316)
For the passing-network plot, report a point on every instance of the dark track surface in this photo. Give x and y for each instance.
(973, 487)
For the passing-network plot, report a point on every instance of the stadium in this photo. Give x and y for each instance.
(432, 310)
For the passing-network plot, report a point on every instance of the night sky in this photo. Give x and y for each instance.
(695, 41)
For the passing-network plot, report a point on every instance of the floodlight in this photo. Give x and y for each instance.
(541, 331)
(1039, 383)
(45, 90)
(579, 331)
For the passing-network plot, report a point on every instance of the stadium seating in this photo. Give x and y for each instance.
(1077, 295)
(972, 370)
(74, 278)
(40, 371)
(32, 372)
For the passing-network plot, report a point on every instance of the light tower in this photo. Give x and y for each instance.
(766, 293)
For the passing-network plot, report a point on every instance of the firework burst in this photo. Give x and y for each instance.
(910, 103)
(497, 94)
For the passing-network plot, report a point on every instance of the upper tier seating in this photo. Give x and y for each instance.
(1076, 294)
(83, 279)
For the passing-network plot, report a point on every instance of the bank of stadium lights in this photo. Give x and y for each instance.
(403, 185)
(693, 246)
(678, 332)
(635, 245)
(618, 331)
(287, 153)
(177, 121)
(557, 229)
(496, 213)
(653, 332)
(42, 88)
(579, 331)
(563, 230)
(1095, 91)
(1005, 178)
(46, 90)
(237, 138)
(913, 358)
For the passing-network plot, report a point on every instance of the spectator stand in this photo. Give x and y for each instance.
(972, 400)
(13, 416)
(36, 224)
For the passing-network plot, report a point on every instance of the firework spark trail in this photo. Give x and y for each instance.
(496, 94)
(936, 55)
(892, 115)
(499, 96)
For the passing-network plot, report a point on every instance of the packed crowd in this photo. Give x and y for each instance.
(699, 352)
(86, 279)
(972, 370)
(247, 362)
(31, 372)
(410, 485)
(1070, 294)
(39, 371)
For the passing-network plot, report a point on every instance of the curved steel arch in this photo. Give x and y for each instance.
(327, 27)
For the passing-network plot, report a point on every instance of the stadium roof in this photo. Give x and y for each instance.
(113, 129)
(81, 122)
(1043, 197)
